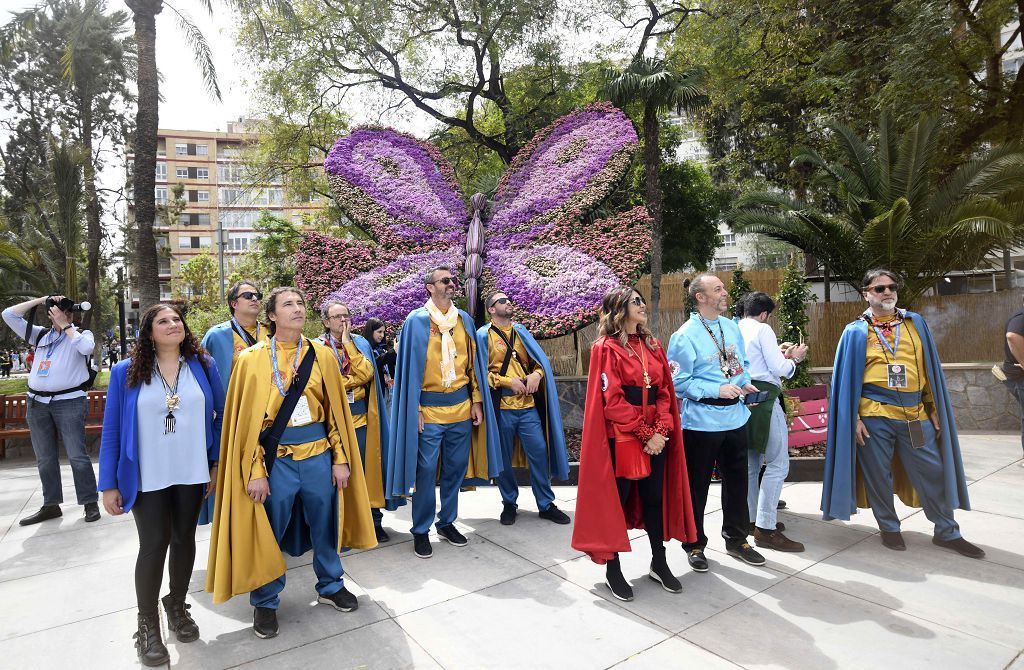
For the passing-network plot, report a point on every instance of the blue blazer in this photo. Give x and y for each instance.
(119, 467)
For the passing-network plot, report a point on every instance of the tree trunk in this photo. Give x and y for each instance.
(92, 318)
(146, 122)
(652, 197)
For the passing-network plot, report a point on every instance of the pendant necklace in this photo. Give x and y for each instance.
(171, 397)
(278, 380)
(643, 362)
(723, 357)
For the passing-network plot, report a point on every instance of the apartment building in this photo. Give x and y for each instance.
(221, 202)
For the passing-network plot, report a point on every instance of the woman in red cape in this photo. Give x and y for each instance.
(630, 405)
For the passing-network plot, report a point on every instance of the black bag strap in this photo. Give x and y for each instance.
(270, 437)
(510, 345)
(243, 333)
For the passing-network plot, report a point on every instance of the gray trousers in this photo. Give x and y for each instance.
(66, 417)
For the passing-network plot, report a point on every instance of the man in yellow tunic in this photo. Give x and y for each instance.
(359, 372)
(438, 412)
(309, 493)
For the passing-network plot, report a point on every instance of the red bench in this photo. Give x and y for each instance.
(810, 425)
(14, 426)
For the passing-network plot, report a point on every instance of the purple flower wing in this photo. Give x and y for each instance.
(398, 188)
(567, 169)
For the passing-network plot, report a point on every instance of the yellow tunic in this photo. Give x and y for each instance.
(244, 554)
(496, 356)
(241, 345)
(464, 374)
(911, 355)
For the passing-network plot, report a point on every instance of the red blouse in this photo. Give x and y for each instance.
(624, 366)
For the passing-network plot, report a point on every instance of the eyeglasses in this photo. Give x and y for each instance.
(446, 281)
(340, 317)
(638, 301)
(881, 288)
(499, 301)
(249, 295)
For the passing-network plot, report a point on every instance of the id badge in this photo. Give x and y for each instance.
(897, 375)
(301, 414)
(44, 369)
(351, 397)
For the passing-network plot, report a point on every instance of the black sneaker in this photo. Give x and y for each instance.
(698, 563)
(45, 513)
(556, 515)
(745, 553)
(421, 545)
(343, 600)
(508, 514)
(781, 505)
(616, 583)
(264, 622)
(92, 512)
(660, 573)
(452, 536)
(382, 535)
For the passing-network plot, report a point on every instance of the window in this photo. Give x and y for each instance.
(231, 196)
(181, 173)
(202, 150)
(202, 173)
(161, 195)
(726, 263)
(230, 174)
(231, 152)
(275, 197)
(238, 242)
(193, 242)
(165, 291)
(204, 242)
(161, 171)
(729, 239)
(203, 196)
(181, 149)
(239, 219)
(194, 219)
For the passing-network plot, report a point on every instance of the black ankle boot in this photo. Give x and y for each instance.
(152, 651)
(620, 588)
(660, 572)
(179, 620)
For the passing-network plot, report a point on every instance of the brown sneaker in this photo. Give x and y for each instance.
(776, 541)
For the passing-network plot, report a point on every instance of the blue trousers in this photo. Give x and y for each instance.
(309, 480)
(763, 497)
(526, 424)
(361, 439)
(923, 466)
(450, 443)
(67, 419)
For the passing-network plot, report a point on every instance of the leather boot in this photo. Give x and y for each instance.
(661, 573)
(618, 585)
(179, 620)
(152, 651)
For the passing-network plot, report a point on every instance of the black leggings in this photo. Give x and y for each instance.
(651, 492)
(167, 517)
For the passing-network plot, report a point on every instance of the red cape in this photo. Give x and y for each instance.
(600, 526)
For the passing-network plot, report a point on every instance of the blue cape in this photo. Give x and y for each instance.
(403, 447)
(220, 342)
(839, 485)
(365, 349)
(558, 458)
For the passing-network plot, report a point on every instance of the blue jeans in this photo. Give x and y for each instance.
(451, 442)
(524, 423)
(762, 502)
(67, 418)
(309, 480)
(923, 466)
(361, 439)
(1017, 391)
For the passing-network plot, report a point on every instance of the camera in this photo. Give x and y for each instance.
(67, 305)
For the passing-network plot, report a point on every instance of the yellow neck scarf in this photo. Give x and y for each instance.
(446, 323)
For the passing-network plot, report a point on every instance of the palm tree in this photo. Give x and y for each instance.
(655, 86)
(66, 168)
(889, 206)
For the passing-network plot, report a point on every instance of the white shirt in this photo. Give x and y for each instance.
(67, 367)
(767, 364)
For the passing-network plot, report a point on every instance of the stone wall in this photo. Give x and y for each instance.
(979, 401)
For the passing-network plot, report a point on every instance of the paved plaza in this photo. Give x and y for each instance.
(520, 597)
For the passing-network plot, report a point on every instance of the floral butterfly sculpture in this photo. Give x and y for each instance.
(536, 248)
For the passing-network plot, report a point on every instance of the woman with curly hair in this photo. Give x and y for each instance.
(632, 465)
(158, 459)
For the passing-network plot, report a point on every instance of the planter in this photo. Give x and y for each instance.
(806, 469)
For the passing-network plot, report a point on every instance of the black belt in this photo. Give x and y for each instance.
(50, 394)
(720, 402)
(635, 395)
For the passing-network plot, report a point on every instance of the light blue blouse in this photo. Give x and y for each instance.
(178, 457)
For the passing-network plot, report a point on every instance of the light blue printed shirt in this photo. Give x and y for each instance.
(697, 373)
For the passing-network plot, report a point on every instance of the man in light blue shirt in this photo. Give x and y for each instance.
(710, 373)
(57, 403)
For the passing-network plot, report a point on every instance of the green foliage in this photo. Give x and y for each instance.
(271, 259)
(887, 205)
(791, 309)
(197, 282)
(201, 320)
(66, 171)
(691, 209)
(739, 287)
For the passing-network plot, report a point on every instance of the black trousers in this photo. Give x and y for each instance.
(163, 518)
(651, 491)
(729, 449)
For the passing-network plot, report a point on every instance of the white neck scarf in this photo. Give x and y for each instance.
(446, 323)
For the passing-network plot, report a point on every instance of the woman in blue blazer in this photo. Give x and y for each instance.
(158, 459)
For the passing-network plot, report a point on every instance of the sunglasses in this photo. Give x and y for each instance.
(447, 280)
(638, 301)
(249, 295)
(499, 301)
(881, 288)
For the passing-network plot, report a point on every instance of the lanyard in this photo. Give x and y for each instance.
(342, 362)
(53, 345)
(885, 343)
(244, 334)
(278, 381)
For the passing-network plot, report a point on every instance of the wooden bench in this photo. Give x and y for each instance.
(13, 424)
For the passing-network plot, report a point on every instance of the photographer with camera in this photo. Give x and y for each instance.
(57, 401)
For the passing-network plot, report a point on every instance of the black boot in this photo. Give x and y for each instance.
(661, 573)
(152, 651)
(620, 588)
(179, 620)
